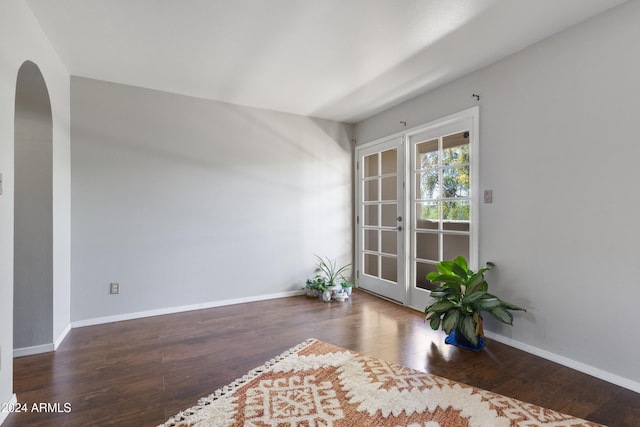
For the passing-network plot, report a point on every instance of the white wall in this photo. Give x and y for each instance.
(21, 39)
(185, 201)
(559, 146)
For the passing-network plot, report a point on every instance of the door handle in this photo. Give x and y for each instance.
(399, 228)
(399, 218)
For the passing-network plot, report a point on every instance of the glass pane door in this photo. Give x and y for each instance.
(380, 219)
(441, 178)
(417, 204)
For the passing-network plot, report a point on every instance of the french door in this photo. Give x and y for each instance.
(416, 206)
(380, 219)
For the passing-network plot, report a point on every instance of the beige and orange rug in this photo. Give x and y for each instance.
(317, 384)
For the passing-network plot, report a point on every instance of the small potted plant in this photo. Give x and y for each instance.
(330, 277)
(314, 287)
(458, 303)
(347, 287)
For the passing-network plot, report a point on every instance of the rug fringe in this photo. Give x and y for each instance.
(267, 366)
(230, 388)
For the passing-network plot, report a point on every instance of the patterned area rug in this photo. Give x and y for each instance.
(317, 384)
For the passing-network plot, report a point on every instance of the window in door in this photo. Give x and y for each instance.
(441, 203)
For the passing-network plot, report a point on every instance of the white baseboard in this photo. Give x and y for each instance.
(5, 414)
(172, 310)
(61, 337)
(565, 361)
(36, 349)
(43, 348)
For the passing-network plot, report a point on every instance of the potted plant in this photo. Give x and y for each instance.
(315, 287)
(331, 277)
(459, 301)
(347, 287)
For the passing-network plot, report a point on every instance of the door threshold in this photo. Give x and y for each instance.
(390, 299)
(381, 296)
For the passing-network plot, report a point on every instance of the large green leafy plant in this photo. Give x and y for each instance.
(458, 302)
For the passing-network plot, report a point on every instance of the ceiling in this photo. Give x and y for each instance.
(343, 60)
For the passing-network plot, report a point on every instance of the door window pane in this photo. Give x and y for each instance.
(422, 269)
(427, 246)
(455, 182)
(389, 161)
(427, 185)
(427, 215)
(456, 226)
(370, 165)
(371, 215)
(455, 245)
(371, 265)
(389, 214)
(371, 190)
(371, 240)
(456, 211)
(456, 215)
(389, 268)
(390, 242)
(427, 154)
(390, 188)
(455, 149)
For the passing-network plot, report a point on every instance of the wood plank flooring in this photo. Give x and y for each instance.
(140, 372)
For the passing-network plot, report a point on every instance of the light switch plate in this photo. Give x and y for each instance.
(488, 196)
(114, 288)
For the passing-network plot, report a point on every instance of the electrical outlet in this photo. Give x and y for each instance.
(114, 288)
(488, 196)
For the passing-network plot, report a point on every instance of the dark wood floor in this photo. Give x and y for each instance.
(140, 372)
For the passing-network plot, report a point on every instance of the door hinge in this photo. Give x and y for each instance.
(358, 165)
(357, 274)
(358, 219)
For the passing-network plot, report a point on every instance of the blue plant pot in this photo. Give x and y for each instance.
(460, 340)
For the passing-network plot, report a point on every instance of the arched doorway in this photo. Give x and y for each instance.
(33, 213)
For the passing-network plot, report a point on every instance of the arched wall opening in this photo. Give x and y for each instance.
(33, 213)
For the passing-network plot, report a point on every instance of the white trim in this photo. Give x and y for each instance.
(565, 361)
(61, 337)
(562, 360)
(44, 348)
(5, 414)
(36, 349)
(172, 310)
(443, 121)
